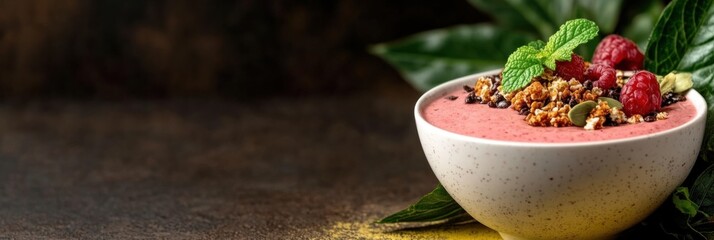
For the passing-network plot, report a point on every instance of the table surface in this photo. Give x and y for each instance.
(320, 167)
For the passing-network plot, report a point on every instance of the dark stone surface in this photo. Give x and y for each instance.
(266, 169)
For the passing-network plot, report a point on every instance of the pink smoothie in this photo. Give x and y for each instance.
(478, 120)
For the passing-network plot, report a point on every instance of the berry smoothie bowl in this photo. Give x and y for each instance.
(555, 147)
(559, 190)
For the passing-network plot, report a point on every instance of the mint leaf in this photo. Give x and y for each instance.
(537, 44)
(527, 61)
(437, 206)
(521, 67)
(570, 35)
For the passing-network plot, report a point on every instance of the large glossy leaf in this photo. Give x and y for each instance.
(433, 57)
(703, 190)
(504, 15)
(535, 12)
(560, 11)
(521, 14)
(683, 40)
(437, 206)
(604, 12)
(642, 23)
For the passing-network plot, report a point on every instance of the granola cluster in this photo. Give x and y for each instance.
(550, 98)
(603, 113)
(547, 101)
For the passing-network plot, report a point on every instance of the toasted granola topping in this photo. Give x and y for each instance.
(635, 119)
(597, 117)
(617, 116)
(594, 123)
(622, 77)
(548, 99)
(662, 115)
(482, 89)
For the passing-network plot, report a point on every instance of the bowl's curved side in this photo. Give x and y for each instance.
(551, 191)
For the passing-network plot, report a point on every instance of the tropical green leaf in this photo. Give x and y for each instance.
(642, 22)
(559, 11)
(683, 202)
(433, 57)
(436, 206)
(505, 16)
(534, 12)
(603, 12)
(702, 192)
(683, 40)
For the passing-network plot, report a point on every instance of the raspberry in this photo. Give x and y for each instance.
(618, 52)
(571, 69)
(641, 94)
(602, 75)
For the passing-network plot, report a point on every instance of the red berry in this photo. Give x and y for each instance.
(618, 52)
(641, 94)
(574, 68)
(602, 75)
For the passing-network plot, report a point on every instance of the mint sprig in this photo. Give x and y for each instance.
(521, 67)
(529, 61)
(571, 34)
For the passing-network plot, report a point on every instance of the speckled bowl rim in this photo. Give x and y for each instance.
(442, 89)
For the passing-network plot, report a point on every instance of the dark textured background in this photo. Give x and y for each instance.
(126, 49)
(249, 119)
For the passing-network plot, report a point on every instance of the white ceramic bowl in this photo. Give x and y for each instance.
(590, 190)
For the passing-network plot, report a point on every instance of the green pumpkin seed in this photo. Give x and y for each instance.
(683, 83)
(666, 83)
(611, 102)
(674, 81)
(579, 113)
